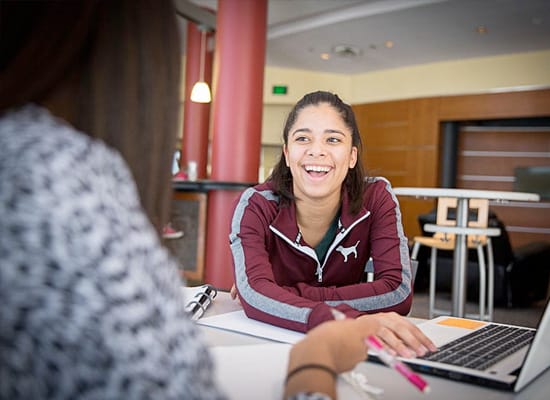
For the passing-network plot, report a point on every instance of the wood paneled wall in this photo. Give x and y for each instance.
(487, 159)
(400, 142)
(402, 139)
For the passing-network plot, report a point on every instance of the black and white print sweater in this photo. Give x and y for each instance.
(90, 301)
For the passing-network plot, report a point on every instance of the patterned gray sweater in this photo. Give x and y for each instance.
(90, 302)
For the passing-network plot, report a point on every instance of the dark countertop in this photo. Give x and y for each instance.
(205, 185)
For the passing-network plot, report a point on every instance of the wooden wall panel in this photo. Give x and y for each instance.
(507, 140)
(396, 180)
(402, 141)
(497, 166)
(487, 159)
(532, 103)
(386, 161)
(518, 239)
(485, 185)
(394, 134)
(535, 215)
(410, 209)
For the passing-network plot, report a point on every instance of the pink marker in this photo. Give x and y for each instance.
(397, 365)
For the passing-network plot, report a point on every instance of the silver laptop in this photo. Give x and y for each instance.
(501, 356)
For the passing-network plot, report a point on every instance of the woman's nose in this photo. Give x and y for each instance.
(316, 149)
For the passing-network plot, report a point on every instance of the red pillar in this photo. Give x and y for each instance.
(196, 116)
(241, 28)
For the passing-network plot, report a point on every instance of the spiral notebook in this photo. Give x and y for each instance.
(198, 299)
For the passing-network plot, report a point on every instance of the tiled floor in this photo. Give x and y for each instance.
(525, 316)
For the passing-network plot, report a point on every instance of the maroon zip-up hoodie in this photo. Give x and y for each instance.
(280, 279)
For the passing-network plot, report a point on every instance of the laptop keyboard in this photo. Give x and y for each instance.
(484, 347)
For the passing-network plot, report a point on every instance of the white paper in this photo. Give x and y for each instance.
(237, 321)
(258, 372)
(251, 371)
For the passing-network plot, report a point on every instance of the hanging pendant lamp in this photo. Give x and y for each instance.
(201, 91)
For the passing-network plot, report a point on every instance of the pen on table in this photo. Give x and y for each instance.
(389, 359)
(397, 365)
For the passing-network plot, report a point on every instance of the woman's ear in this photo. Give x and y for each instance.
(353, 157)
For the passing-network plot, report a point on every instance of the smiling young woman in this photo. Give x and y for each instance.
(301, 240)
(319, 153)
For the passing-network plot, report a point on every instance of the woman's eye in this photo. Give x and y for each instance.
(333, 140)
(301, 139)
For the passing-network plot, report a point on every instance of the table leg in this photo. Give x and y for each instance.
(460, 260)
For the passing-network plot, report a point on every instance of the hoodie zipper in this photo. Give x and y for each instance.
(311, 252)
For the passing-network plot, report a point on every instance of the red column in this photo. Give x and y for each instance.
(241, 27)
(196, 116)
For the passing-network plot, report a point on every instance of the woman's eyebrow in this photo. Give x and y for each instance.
(328, 131)
(335, 131)
(300, 130)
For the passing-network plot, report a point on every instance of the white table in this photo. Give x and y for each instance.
(394, 386)
(460, 256)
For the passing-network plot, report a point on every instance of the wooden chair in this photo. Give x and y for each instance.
(478, 237)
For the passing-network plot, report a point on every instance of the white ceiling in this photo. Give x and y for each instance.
(422, 31)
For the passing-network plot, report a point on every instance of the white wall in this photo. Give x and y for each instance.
(300, 82)
(478, 75)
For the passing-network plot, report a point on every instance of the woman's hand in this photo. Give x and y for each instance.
(233, 293)
(398, 333)
(340, 345)
(336, 345)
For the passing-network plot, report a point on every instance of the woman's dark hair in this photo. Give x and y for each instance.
(123, 57)
(354, 183)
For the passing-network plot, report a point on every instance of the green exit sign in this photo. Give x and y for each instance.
(279, 89)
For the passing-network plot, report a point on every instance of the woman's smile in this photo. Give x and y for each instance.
(317, 171)
(319, 152)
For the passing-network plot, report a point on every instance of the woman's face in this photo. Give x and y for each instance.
(319, 152)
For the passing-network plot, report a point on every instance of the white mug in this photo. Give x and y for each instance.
(192, 170)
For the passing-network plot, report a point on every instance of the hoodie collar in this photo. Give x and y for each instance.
(286, 222)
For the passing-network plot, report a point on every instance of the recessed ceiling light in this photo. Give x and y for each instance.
(324, 56)
(348, 51)
(481, 29)
(388, 44)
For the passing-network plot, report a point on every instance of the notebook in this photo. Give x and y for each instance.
(198, 299)
(489, 354)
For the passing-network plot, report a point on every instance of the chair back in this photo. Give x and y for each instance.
(446, 215)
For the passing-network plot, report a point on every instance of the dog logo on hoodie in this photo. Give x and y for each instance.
(346, 251)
